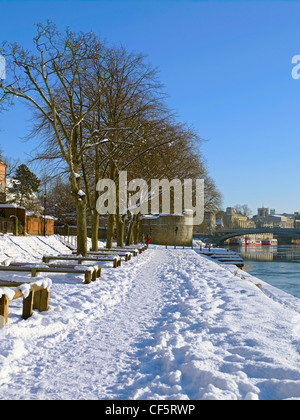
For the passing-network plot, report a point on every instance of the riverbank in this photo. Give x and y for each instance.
(278, 266)
(169, 324)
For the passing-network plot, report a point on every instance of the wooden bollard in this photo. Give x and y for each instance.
(87, 277)
(28, 306)
(117, 262)
(41, 300)
(3, 311)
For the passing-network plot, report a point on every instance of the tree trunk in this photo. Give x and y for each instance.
(120, 221)
(111, 217)
(95, 229)
(110, 231)
(129, 233)
(136, 229)
(81, 228)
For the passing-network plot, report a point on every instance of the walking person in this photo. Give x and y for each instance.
(147, 240)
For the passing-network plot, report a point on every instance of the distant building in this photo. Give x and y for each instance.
(28, 222)
(9, 213)
(37, 224)
(272, 220)
(263, 212)
(231, 219)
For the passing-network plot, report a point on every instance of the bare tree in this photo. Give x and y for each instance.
(56, 69)
(243, 209)
(98, 111)
(131, 108)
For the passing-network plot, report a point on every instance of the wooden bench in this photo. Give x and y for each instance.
(120, 251)
(139, 248)
(96, 269)
(106, 252)
(116, 260)
(88, 274)
(38, 298)
(134, 249)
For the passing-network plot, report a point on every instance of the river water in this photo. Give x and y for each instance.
(278, 266)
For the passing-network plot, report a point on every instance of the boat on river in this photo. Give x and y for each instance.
(250, 241)
(270, 242)
(237, 241)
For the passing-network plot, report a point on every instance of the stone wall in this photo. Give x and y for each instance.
(169, 229)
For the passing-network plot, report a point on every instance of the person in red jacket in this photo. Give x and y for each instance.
(147, 240)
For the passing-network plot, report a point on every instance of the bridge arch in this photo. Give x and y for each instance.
(221, 236)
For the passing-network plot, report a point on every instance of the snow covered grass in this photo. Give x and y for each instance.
(169, 324)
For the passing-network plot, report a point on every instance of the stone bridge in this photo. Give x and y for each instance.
(219, 236)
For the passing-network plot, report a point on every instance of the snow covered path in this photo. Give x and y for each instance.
(90, 359)
(170, 324)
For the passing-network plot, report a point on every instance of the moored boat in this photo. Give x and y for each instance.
(237, 241)
(250, 241)
(268, 241)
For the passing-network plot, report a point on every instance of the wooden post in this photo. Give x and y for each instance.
(3, 311)
(87, 277)
(27, 306)
(37, 300)
(43, 300)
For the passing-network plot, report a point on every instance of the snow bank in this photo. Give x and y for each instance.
(169, 324)
(30, 248)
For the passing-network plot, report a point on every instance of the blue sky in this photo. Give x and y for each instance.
(226, 67)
